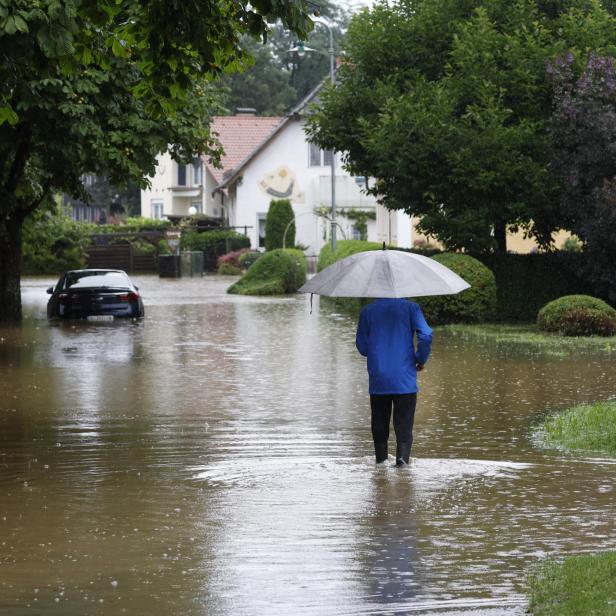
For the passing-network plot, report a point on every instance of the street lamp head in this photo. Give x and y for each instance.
(300, 49)
(192, 210)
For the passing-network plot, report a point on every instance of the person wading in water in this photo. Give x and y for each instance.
(385, 335)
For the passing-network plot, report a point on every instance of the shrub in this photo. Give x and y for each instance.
(248, 258)
(344, 248)
(228, 269)
(139, 245)
(135, 224)
(213, 244)
(578, 315)
(471, 306)
(280, 218)
(232, 258)
(164, 248)
(277, 272)
(53, 244)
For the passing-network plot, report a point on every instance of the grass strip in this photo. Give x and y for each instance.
(528, 337)
(590, 427)
(578, 585)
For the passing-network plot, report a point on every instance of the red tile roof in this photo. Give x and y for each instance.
(239, 135)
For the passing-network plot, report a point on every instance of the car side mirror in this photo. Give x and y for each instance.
(50, 290)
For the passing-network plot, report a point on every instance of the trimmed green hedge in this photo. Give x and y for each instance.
(525, 283)
(578, 315)
(344, 248)
(133, 225)
(213, 244)
(475, 305)
(278, 272)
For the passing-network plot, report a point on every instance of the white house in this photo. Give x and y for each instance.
(266, 159)
(175, 188)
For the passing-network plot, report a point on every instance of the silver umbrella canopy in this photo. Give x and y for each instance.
(385, 273)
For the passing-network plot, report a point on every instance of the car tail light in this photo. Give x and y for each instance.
(128, 297)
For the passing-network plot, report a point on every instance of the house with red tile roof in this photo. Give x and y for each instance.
(265, 159)
(181, 190)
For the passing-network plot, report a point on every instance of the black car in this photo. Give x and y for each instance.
(95, 295)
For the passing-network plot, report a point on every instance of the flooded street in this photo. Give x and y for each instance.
(216, 459)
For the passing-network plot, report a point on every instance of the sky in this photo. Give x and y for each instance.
(357, 4)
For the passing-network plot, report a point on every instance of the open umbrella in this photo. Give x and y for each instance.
(385, 273)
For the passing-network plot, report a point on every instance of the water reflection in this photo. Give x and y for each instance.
(216, 458)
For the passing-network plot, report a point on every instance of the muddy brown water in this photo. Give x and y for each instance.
(216, 459)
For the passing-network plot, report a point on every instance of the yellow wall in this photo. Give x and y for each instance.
(516, 242)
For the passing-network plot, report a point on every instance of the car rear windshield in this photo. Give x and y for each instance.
(82, 280)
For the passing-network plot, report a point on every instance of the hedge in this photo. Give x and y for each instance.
(525, 283)
(474, 305)
(578, 315)
(344, 248)
(278, 272)
(213, 244)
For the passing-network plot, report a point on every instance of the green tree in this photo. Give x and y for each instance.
(274, 80)
(279, 225)
(447, 104)
(584, 160)
(102, 87)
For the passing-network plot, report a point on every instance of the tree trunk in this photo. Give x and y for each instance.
(500, 237)
(10, 268)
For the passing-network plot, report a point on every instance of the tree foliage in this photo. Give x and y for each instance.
(274, 80)
(584, 159)
(447, 104)
(102, 87)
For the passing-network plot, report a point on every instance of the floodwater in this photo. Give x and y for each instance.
(216, 459)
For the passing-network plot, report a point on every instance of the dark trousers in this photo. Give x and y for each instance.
(404, 416)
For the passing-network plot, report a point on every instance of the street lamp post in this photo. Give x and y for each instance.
(300, 49)
(332, 77)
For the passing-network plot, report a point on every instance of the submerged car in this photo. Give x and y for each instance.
(95, 295)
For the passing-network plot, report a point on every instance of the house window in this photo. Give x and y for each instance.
(319, 157)
(197, 174)
(315, 155)
(181, 175)
(261, 229)
(357, 234)
(157, 209)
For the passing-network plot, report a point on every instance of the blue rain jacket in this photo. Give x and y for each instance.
(385, 336)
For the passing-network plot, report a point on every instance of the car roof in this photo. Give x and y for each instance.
(97, 269)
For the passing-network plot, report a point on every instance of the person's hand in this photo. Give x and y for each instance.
(419, 367)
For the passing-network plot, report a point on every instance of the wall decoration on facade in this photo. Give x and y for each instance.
(282, 184)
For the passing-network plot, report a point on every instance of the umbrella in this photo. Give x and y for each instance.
(385, 273)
